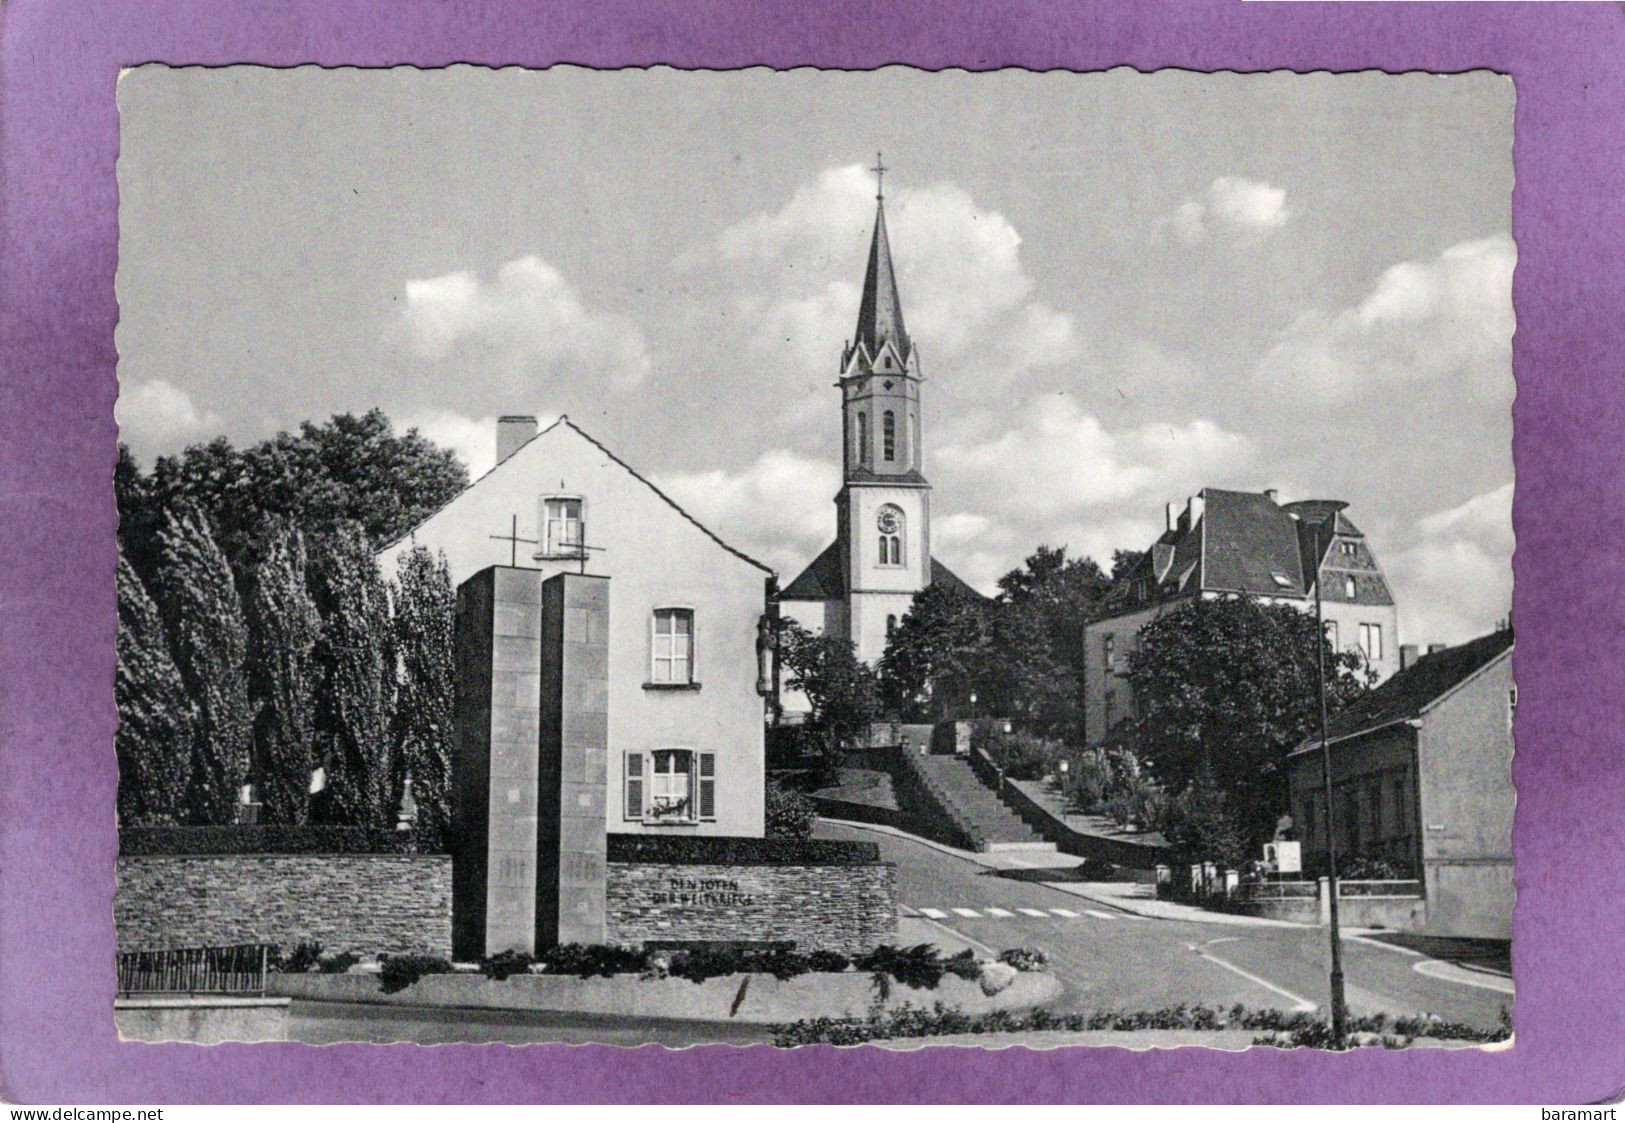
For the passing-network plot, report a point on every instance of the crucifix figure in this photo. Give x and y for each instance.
(513, 540)
(880, 170)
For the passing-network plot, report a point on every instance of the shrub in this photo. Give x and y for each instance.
(704, 963)
(789, 814)
(505, 963)
(588, 960)
(963, 966)
(304, 958)
(1025, 959)
(338, 964)
(831, 961)
(1022, 755)
(397, 972)
(919, 967)
(700, 850)
(266, 838)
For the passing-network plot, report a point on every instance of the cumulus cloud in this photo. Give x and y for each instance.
(796, 274)
(1448, 320)
(777, 508)
(1455, 580)
(157, 417)
(1056, 459)
(526, 323)
(1231, 206)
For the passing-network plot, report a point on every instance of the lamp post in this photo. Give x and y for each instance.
(1339, 1013)
(973, 705)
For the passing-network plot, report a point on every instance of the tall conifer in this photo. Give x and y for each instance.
(425, 607)
(283, 629)
(156, 720)
(356, 700)
(209, 641)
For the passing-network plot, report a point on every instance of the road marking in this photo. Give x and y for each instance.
(1101, 915)
(1034, 912)
(998, 912)
(1298, 1000)
(1068, 913)
(1452, 973)
(934, 914)
(972, 913)
(957, 934)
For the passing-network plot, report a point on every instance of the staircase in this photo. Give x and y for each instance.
(975, 809)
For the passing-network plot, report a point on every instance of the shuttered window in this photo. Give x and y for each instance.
(634, 785)
(708, 785)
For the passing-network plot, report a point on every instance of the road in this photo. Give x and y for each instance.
(1107, 958)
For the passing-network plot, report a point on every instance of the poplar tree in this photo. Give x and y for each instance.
(283, 629)
(425, 608)
(208, 638)
(157, 721)
(356, 699)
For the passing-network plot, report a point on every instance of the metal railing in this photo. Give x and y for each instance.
(234, 969)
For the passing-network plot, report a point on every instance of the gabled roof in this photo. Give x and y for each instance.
(1414, 690)
(565, 422)
(1248, 543)
(823, 579)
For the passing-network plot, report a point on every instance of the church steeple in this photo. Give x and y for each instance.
(880, 312)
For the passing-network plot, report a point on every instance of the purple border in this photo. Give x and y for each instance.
(57, 313)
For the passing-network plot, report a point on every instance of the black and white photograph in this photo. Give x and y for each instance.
(808, 557)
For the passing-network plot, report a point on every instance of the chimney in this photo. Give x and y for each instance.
(1196, 506)
(1271, 494)
(513, 431)
(1435, 648)
(1168, 514)
(1408, 653)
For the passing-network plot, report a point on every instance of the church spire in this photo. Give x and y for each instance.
(880, 314)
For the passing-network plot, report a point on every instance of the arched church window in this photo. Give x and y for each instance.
(863, 438)
(888, 435)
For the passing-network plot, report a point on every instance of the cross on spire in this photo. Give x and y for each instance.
(880, 171)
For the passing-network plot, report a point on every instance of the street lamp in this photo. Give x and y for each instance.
(1338, 1011)
(973, 705)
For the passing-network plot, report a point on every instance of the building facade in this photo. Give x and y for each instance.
(863, 583)
(684, 675)
(1225, 543)
(1422, 779)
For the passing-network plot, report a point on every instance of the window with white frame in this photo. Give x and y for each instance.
(563, 531)
(1371, 642)
(1351, 587)
(671, 786)
(673, 647)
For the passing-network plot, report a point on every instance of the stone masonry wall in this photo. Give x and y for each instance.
(363, 903)
(845, 908)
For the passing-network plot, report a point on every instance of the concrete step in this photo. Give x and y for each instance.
(955, 783)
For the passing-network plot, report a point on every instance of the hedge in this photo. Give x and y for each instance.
(265, 839)
(692, 850)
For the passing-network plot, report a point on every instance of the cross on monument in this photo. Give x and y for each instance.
(513, 540)
(880, 170)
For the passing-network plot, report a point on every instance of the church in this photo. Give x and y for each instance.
(863, 583)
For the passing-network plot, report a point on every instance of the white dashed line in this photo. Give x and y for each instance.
(1068, 913)
(1033, 912)
(934, 914)
(998, 912)
(1101, 915)
(967, 912)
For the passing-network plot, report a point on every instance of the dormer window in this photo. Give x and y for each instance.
(563, 527)
(1351, 587)
(1282, 581)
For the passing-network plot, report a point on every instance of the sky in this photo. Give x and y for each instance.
(1123, 288)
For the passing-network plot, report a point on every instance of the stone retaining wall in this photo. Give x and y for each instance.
(364, 903)
(846, 908)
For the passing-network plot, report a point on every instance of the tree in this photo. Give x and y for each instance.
(839, 686)
(788, 813)
(425, 612)
(1204, 826)
(283, 629)
(940, 650)
(1039, 634)
(208, 638)
(157, 721)
(1223, 690)
(355, 705)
